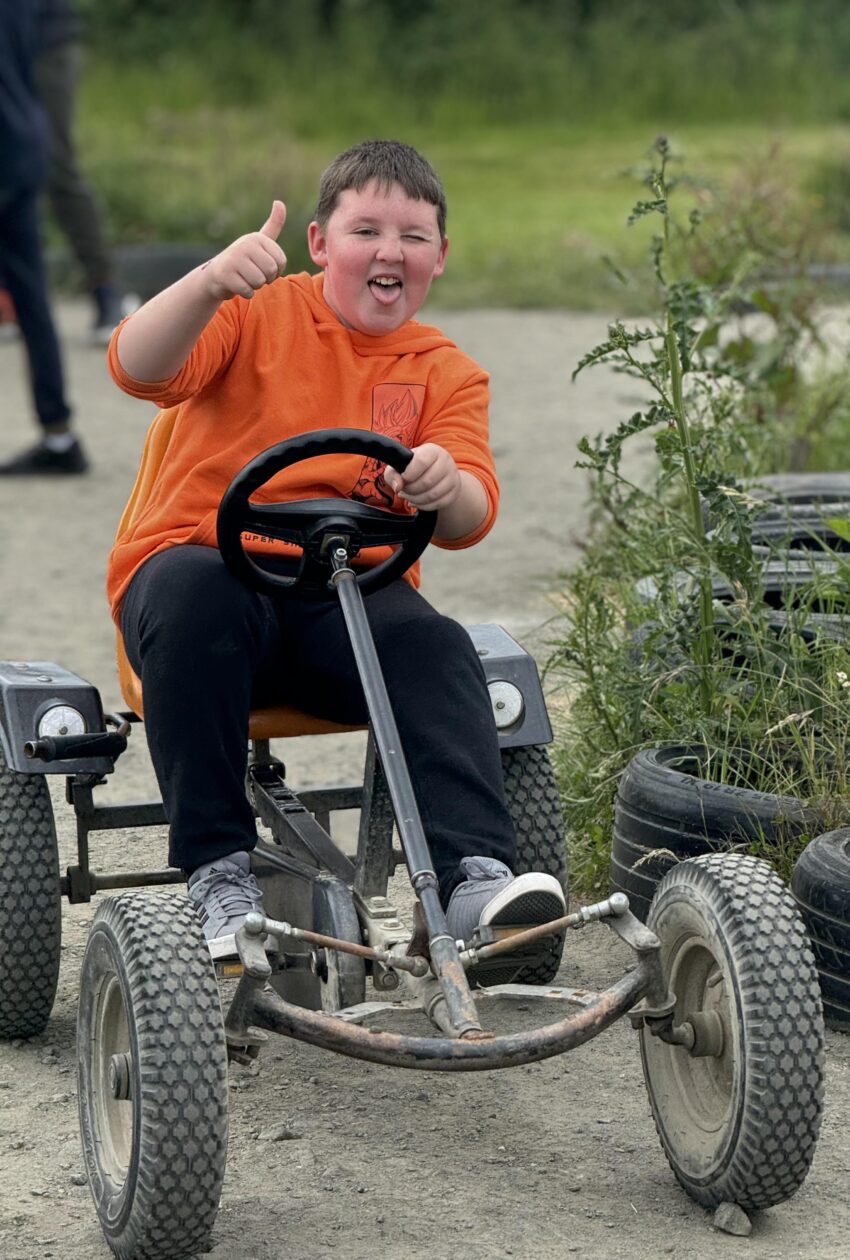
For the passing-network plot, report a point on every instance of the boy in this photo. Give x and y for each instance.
(251, 356)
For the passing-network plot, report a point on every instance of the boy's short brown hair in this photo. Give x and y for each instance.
(384, 162)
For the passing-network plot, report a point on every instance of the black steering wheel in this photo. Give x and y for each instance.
(317, 526)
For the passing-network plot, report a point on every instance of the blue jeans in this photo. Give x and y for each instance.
(23, 272)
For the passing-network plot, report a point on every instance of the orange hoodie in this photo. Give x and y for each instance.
(278, 365)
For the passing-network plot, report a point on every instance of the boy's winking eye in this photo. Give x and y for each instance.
(415, 234)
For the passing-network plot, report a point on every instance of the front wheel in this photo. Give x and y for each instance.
(152, 1078)
(738, 1115)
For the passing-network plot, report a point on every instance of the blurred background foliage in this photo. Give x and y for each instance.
(192, 117)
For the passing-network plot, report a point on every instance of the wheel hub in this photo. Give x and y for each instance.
(120, 1076)
(708, 1040)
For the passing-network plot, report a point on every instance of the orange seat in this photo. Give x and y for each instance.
(273, 723)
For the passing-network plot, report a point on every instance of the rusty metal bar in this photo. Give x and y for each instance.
(616, 906)
(262, 1008)
(260, 925)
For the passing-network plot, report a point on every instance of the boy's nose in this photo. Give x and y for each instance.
(389, 249)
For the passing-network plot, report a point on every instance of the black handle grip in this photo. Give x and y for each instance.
(71, 747)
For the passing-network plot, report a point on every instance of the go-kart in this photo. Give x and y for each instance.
(722, 990)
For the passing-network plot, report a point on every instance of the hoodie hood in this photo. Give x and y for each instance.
(411, 338)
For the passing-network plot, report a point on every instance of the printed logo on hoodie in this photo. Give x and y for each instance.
(396, 409)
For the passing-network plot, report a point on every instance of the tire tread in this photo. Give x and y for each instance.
(534, 804)
(782, 1027)
(182, 1062)
(30, 908)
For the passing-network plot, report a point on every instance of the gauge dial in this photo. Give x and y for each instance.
(507, 702)
(61, 719)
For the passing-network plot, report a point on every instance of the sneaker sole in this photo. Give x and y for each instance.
(223, 948)
(525, 911)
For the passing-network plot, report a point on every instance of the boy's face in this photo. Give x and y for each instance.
(380, 250)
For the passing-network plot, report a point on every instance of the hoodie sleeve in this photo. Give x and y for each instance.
(460, 425)
(211, 355)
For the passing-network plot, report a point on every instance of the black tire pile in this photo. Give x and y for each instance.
(667, 811)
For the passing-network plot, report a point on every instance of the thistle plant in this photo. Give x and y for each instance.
(684, 374)
(664, 633)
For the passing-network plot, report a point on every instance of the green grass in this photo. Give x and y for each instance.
(534, 210)
(532, 207)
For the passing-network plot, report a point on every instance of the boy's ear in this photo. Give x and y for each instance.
(317, 244)
(441, 259)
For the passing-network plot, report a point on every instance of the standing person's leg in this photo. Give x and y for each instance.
(199, 640)
(442, 709)
(71, 197)
(22, 265)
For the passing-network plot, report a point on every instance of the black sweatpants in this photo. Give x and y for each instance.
(208, 649)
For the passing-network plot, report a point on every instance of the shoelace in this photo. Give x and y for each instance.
(228, 893)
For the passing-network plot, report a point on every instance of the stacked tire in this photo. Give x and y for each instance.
(820, 885)
(667, 811)
(796, 491)
(795, 543)
(800, 505)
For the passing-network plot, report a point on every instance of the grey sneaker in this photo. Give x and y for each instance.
(491, 896)
(223, 893)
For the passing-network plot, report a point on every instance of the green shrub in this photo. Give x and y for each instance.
(830, 183)
(663, 633)
(492, 61)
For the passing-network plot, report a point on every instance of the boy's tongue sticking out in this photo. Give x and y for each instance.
(386, 288)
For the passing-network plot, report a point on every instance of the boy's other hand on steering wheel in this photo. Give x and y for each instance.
(250, 262)
(431, 481)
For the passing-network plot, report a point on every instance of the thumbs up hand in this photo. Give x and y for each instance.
(250, 262)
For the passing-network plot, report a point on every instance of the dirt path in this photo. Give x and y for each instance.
(555, 1159)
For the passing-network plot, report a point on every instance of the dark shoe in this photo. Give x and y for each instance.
(491, 896)
(41, 461)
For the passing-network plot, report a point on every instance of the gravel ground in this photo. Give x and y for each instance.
(554, 1159)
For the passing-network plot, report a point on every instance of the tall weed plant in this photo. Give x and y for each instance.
(667, 630)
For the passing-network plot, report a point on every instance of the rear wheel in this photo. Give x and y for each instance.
(152, 1078)
(534, 804)
(738, 1115)
(30, 911)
